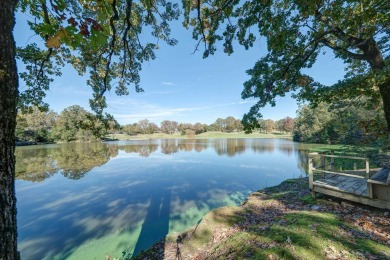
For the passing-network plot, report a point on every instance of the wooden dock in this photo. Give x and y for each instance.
(369, 187)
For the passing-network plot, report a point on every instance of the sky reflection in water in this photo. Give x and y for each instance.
(81, 201)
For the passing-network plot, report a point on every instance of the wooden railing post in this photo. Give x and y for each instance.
(369, 185)
(367, 169)
(310, 171)
(332, 166)
(323, 164)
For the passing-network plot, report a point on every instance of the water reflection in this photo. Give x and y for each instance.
(101, 199)
(73, 161)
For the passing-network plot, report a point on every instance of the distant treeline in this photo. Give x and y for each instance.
(75, 124)
(338, 123)
(228, 124)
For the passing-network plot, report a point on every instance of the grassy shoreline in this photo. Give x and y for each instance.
(282, 222)
(200, 136)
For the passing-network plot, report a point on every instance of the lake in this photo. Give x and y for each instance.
(86, 201)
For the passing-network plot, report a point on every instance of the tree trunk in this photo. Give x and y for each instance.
(8, 101)
(375, 59)
(384, 89)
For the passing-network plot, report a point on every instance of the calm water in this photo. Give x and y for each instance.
(83, 201)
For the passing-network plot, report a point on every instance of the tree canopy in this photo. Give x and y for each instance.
(296, 32)
(98, 38)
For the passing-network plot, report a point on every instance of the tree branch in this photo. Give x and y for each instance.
(124, 38)
(112, 47)
(343, 50)
(50, 50)
(201, 24)
(352, 41)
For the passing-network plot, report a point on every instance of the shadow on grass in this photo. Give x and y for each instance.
(298, 235)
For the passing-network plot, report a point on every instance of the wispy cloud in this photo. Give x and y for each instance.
(138, 110)
(161, 113)
(165, 83)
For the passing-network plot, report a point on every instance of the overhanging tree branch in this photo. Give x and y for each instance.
(343, 50)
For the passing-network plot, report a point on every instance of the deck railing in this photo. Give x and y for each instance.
(329, 168)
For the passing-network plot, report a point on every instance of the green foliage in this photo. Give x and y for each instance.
(169, 127)
(228, 124)
(131, 129)
(308, 199)
(101, 38)
(35, 125)
(296, 33)
(76, 124)
(340, 123)
(73, 124)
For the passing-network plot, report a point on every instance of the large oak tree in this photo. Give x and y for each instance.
(296, 32)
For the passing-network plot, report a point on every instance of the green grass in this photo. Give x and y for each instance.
(303, 235)
(200, 136)
(308, 199)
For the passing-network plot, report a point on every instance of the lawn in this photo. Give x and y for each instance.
(200, 136)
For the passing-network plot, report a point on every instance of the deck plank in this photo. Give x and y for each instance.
(344, 184)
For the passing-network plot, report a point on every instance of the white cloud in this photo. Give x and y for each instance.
(131, 110)
(158, 113)
(168, 83)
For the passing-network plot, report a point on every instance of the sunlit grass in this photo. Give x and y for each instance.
(200, 136)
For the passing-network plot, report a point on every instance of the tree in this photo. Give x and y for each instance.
(296, 33)
(143, 126)
(77, 124)
(8, 112)
(238, 125)
(169, 127)
(311, 124)
(131, 129)
(98, 37)
(153, 128)
(221, 124)
(183, 127)
(38, 124)
(230, 124)
(198, 128)
(269, 126)
(279, 125)
(147, 127)
(288, 124)
(261, 125)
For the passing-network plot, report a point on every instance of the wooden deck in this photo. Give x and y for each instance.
(353, 185)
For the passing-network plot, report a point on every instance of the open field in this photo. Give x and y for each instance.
(200, 136)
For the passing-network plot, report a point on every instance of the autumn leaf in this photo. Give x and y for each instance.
(53, 42)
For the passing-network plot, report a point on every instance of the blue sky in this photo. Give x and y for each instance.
(180, 85)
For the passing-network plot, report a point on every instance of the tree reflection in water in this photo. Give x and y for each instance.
(73, 161)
